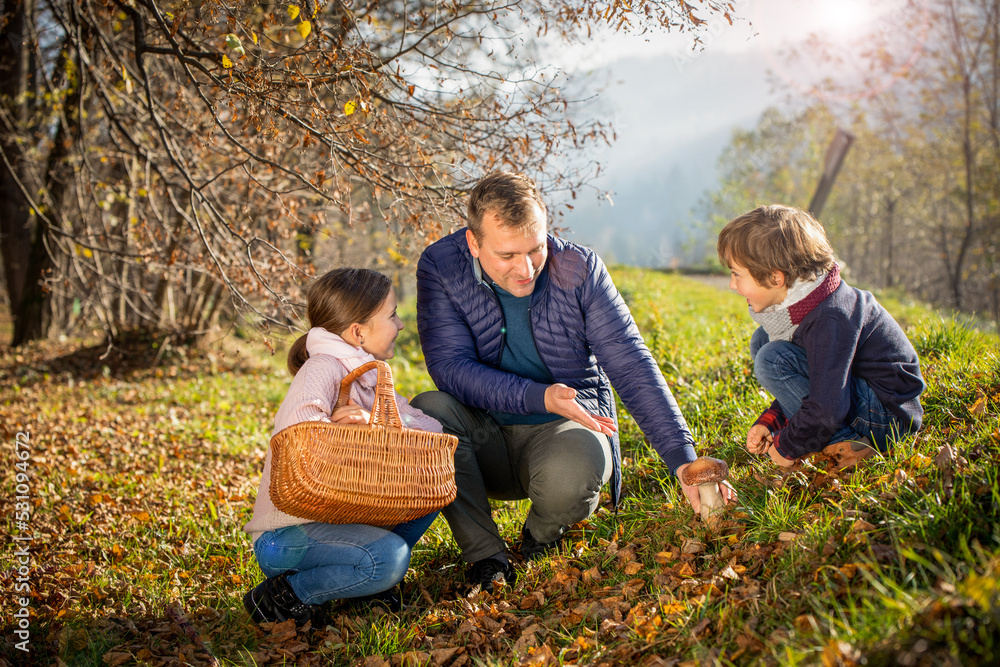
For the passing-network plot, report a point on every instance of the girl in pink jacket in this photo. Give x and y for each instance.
(352, 313)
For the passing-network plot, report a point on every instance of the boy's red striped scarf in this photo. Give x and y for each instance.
(781, 320)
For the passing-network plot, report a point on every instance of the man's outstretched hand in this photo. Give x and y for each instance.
(561, 400)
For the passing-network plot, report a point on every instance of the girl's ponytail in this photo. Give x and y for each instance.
(298, 354)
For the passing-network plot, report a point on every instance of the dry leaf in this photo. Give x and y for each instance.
(115, 658)
(632, 568)
(533, 601)
(836, 654)
(979, 407)
(673, 608)
(806, 623)
(539, 657)
(633, 587)
(415, 659)
(861, 526)
(692, 546)
(945, 457)
(440, 656)
(685, 570)
(525, 641)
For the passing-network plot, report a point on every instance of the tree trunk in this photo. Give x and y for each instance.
(888, 279)
(18, 232)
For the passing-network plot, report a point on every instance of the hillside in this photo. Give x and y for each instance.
(143, 465)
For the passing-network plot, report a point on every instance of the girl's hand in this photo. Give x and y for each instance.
(352, 413)
(758, 439)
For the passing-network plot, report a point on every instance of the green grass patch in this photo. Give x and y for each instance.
(142, 477)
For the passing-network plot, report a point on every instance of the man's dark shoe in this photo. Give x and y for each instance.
(532, 549)
(489, 571)
(273, 600)
(392, 600)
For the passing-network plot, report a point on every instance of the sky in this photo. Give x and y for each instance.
(674, 109)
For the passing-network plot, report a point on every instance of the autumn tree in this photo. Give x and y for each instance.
(165, 161)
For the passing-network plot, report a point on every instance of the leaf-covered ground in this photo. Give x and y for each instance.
(143, 463)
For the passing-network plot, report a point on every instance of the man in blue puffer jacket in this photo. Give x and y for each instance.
(524, 335)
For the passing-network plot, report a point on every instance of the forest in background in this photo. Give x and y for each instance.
(168, 167)
(916, 204)
(165, 163)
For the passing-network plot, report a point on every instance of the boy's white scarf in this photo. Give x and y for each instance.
(781, 320)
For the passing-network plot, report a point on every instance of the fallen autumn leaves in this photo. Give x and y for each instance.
(142, 479)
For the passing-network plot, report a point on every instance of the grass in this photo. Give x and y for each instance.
(142, 477)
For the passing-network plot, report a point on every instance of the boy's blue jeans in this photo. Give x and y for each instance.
(783, 370)
(336, 561)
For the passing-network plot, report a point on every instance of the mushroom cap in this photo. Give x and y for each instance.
(705, 470)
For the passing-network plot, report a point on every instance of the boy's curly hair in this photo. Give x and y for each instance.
(776, 238)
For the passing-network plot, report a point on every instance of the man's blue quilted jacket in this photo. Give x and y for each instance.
(582, 328)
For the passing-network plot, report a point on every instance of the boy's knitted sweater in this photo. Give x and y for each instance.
(847, 333)
(311, 397)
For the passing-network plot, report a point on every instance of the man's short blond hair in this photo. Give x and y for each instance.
(776, 238)
(507, 194)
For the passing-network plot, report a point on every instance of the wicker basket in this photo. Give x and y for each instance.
(380, 473)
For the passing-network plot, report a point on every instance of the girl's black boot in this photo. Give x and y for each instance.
(274, 600)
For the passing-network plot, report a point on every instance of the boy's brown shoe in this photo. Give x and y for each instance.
(846, 454)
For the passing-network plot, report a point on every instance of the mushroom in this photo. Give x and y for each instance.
(706, 472)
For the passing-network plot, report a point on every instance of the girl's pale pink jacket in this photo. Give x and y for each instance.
(311, 397)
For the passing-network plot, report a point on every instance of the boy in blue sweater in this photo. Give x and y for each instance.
(845, 378)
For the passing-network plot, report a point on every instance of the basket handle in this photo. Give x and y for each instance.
(384, 411)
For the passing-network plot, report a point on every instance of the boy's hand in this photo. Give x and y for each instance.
(352, 413)
(779, 459)
(758, 439)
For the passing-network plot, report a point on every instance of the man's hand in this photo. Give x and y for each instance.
(727, 491)
(758, 439)
(352, 413)
(561, 400)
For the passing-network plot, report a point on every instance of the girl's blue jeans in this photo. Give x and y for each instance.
(336, 561)
(783, 370)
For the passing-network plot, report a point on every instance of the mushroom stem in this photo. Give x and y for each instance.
(712, 503)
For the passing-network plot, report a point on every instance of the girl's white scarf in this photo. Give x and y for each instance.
(321, 341)
(781, 320)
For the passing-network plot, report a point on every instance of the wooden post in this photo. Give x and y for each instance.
(835, 153)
